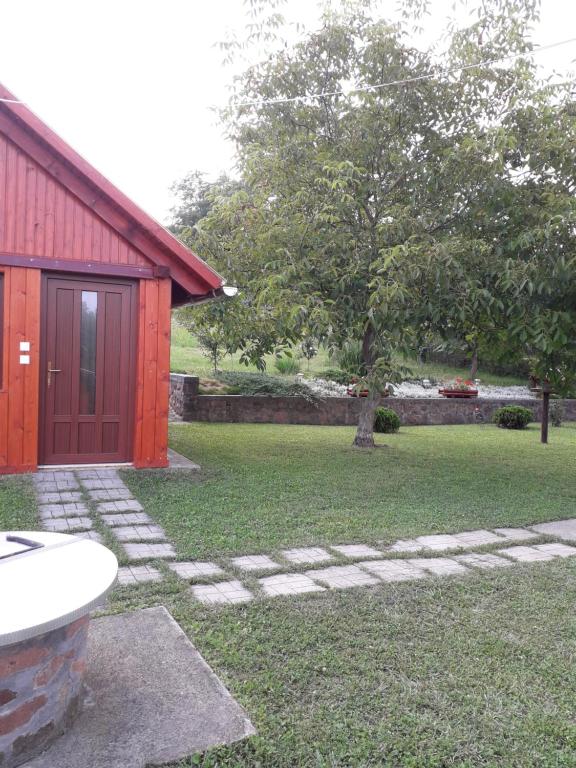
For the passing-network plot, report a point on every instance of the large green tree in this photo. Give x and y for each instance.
(373, 214)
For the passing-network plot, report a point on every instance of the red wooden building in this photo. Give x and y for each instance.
(87, 281)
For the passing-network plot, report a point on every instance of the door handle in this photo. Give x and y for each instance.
(51, 371)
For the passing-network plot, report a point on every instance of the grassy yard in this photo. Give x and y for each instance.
(264, 487)
(17, 504)
(459, 672)
(186, 356)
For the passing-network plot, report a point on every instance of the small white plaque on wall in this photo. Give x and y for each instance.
(24, 359)
(24, 346)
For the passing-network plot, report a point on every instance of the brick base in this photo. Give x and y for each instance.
(40, 690)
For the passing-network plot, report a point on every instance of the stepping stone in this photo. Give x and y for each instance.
(196, 569)
(556, 550)
(393, 570)
(138, 574)
(356, 550)
(438, 542)
(56, 486)
(97, 474)
(49, 511)
(254, 563)
(128, 505)
(45, 476)
(139, 533)
(110, 494)
(439, 566)
(230, 592)
(525, 554)
(289, 584)
(106, 484)
(343, 576)
(137, 518)
(405, 545)
(91, 536)
(477, 538)
(68, 524)
(516, 534)
(484, 561)
(562, 529)
(59, 498)
(149, 551)
(307, 555)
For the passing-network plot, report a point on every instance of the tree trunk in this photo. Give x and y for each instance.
(545, 415)
(365, 432)
(474, 364)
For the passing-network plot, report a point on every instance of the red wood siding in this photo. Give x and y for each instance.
(153, 374)
(20, 384)
(40, 217)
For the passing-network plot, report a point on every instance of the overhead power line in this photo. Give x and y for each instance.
(406, 81)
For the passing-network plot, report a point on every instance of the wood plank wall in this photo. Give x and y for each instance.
(153, 374)
(20, 383)
(40, 217)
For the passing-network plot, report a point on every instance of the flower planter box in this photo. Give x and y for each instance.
(466, 393)
(355, 393)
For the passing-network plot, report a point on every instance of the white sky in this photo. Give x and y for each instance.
(129, 83)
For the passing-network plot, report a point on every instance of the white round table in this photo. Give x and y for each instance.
(46, 588)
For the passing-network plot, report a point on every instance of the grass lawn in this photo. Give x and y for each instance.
(265, 487)
(458, 672)
(186, 356)
(17, 504)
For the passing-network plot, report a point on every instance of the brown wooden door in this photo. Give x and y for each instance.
(87, 371)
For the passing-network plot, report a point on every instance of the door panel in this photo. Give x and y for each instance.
(87, 373)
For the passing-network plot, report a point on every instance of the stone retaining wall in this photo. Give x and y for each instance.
(40, 690)
(335, 411)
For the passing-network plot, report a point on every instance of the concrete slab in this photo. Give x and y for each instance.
(562, 529)
(439, 542)
(139, 533)
(228, 592)
(128, 505)
(177, 461)
(342, 576)
(149, 551)
(254, 563)
(516, 534)
(288, 584)
(67, 524)
(195, 569)
(479, 538)
(113, 494)
(393, 570)
(484, 561)
(405, 545)
(525, 554)
(307, 555)
(154, 699)
(138, 574)
(356, 550)
(438, 566)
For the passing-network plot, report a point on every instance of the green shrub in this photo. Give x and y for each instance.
(386, 420)
(287, 366)
(335, 374)
(245, 383)
(349, 358)
(512, 417)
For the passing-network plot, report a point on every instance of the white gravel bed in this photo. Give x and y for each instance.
(325, 388)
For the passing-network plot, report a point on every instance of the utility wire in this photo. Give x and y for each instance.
(367, 88)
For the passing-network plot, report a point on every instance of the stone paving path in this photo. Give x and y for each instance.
(73, 501)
